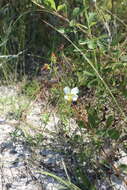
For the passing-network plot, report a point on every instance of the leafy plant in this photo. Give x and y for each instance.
(84, 45)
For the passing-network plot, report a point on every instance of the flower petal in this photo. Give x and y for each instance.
(74, 98)
(66, 97)
(67, 90)
(75, 90)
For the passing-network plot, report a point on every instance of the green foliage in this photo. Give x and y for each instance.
(89, 42)
(31, 88)
(123, 168)
(113, 134)
(50, 3)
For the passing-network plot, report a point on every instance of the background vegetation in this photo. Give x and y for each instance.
(76, 43)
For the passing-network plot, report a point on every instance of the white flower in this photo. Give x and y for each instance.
(71, 94)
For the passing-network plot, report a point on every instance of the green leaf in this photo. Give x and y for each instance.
(50, 3)
(91, 44)
(72, 23)
(92, 82)
(88, 73)
(85, 180)
(93, 118)
(76, 11)
(109, 121)
(124, 92)
(123, 168)
(91, 19)
(62, 181)
(82, 42)
(113, 134)
(61, 30)
(62, 7)
(92, 23)
(82, 26)
(80, 124)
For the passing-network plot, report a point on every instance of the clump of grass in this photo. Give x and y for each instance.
(31, 88)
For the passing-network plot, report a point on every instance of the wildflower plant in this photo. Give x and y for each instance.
(71, 94)
(53, 58)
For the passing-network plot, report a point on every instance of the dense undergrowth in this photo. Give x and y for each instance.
(78, 43)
